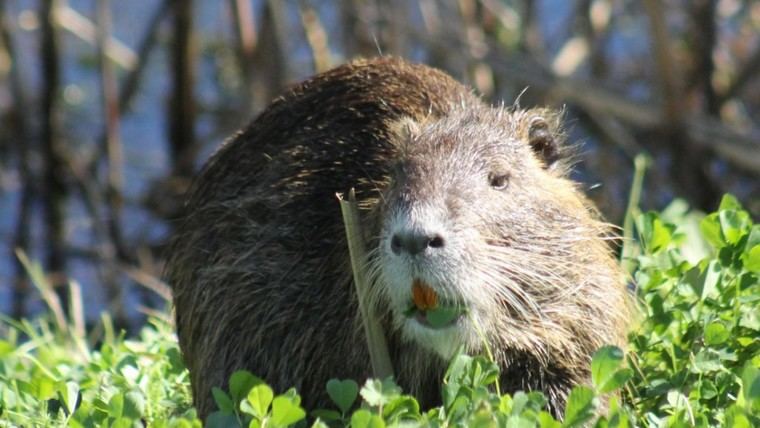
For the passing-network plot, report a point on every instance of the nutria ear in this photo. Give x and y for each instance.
(405, 128)
(543, 138)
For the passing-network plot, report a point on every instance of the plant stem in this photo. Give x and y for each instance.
(640, 164)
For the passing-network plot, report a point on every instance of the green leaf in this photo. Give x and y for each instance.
(729, 202)
(580, 406)
(441, 316)
(319, 424)
(546, 420)
(751, 386)
(618, 380)
(707, 389)
(733, 225)
(326, 415)
(401, 407)
(736, 418)
(716, 333)
(343, 393)
(711, 277)
(223, 401)
(754, 237)
(241, 382)
(134, 405)
(285, 411)
(604, 364)
(707, 361)
(260, 397)
(116, 405)
(655, 234)
(5, 348)
(377, 393)
(710, 227)
(122, 422)
(364, 419)
(751, 259)
(44, 387)
(751, 319)
(222, 420)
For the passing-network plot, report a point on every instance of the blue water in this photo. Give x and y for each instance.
(143, 127)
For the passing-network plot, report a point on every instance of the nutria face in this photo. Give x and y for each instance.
(468, 223)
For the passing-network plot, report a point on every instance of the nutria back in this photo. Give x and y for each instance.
(468, 201)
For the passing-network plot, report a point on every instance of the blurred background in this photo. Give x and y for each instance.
(107, 108)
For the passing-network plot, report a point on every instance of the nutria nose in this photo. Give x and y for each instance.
(414, 242)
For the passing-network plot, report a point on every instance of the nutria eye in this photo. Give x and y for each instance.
(498, 181)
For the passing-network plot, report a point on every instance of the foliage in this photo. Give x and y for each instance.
(52, 378)
(697, 352)
(694, 359)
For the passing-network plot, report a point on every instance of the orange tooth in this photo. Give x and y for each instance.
(423, 296)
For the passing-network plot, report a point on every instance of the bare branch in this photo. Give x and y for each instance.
(132, 80)
(740, 150)
(703, 35)
(750, 71)
(113, 150)
(55, 188)
(79, 26)
(23, 143)
(182, 102)
(666, 68)
(316, 36)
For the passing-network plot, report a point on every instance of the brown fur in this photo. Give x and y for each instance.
(259, 266)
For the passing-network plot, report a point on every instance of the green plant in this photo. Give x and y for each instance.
(693, 359)
(697, 352)
(469, 399)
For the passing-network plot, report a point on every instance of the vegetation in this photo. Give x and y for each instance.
(694, 358)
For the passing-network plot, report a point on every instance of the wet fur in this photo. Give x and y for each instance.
(259, 266)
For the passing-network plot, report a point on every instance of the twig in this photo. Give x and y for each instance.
(54, 183)
(705, 132)
(46, 290)
(666, 68)
(597, 19)
(246, 42)
(750, 71)
(113, 162)
(316, 36)
(78, 25)
(22, 144)
(703, 33)
(142, 277)
(530, 35)
(112, 140)
(144, 49)
(182, 103)
(378, 348)
(640, 164)
(611, 128)
(270, 54)
(148, 281)
(76, 310)
(358, 22)
(162, 315)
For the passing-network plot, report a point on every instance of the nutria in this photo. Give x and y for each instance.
(469, 200)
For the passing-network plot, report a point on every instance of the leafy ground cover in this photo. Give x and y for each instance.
(693, 358)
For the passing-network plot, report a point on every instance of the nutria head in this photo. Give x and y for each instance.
(480, 216)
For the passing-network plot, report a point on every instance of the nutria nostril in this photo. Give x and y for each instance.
(413, 242)
(396, 244)
(436, 242)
